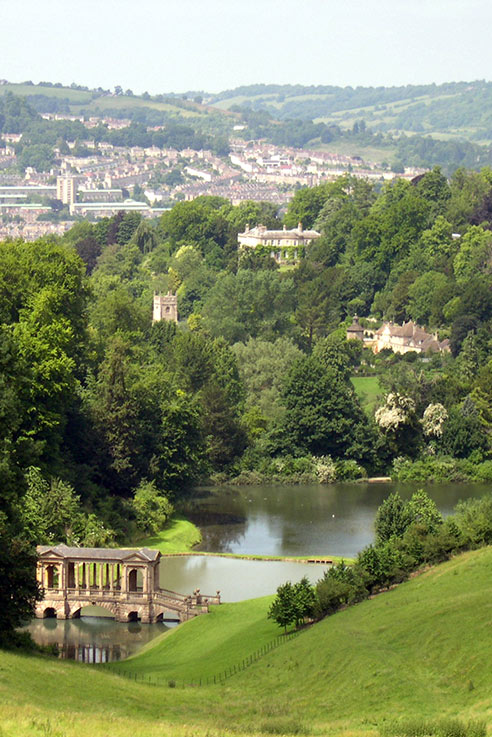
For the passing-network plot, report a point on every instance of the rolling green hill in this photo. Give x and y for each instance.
(77, 101)
(421, 650)
(460, 110)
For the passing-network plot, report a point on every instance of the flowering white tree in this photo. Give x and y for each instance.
(433, 420)
(395, 413)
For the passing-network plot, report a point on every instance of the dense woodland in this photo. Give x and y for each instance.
(106, 420)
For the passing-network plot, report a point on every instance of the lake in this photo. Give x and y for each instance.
(334, 519)
(311, 519)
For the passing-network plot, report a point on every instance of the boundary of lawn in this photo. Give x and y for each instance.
(320, 559)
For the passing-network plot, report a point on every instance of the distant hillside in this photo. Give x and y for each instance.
(150, 110)
(462, 109)
(449, 125)
(414, 125)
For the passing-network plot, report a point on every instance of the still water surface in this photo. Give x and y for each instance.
(334, 519)
(262, 520)
(93, 639)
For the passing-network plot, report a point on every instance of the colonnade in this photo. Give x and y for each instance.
(124, 581)
(94, 576)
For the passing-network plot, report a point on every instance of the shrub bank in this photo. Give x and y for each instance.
(409, 535)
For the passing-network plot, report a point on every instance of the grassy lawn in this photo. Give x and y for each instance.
(205, 646)
(421, 650)
(350, 148)
(178, 537)
(368, 391)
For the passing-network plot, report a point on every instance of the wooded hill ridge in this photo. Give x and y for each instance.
(449, 124)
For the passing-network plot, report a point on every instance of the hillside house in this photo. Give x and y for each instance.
(285, 246)
(398, 338)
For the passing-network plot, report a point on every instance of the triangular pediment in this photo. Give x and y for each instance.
(134, 557)
(51, 555)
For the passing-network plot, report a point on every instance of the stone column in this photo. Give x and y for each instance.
(123, 574)
(76, 575)
(111, 575)
(63, 575)
(101, 576)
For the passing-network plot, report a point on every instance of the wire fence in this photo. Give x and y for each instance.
(209, 680)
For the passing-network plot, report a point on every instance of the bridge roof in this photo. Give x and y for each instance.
(146, 555)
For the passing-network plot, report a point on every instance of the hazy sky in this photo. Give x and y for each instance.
(179, 45)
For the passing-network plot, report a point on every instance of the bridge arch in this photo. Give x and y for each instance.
(168, 615)
(76, 607)
(169, 612)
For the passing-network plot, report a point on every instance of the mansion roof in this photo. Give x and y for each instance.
(412, 335)
(261, 232)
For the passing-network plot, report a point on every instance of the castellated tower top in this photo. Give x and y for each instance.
(165, 307)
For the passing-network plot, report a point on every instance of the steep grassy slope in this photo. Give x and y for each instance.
(207, 645)
(423, 649)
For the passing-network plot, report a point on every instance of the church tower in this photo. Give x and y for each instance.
(165, 307)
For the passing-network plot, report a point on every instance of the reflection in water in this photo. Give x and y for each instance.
(93, 639)
(314, 519)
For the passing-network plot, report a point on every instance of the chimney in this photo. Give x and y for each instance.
(299, 225)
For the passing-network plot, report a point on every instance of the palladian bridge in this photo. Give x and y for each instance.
(123, 581)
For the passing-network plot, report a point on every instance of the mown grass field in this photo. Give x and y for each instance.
(206, 646)
(350, 148)
(421, 650)
(368, 390)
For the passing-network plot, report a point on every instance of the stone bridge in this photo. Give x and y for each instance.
(125, 582)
